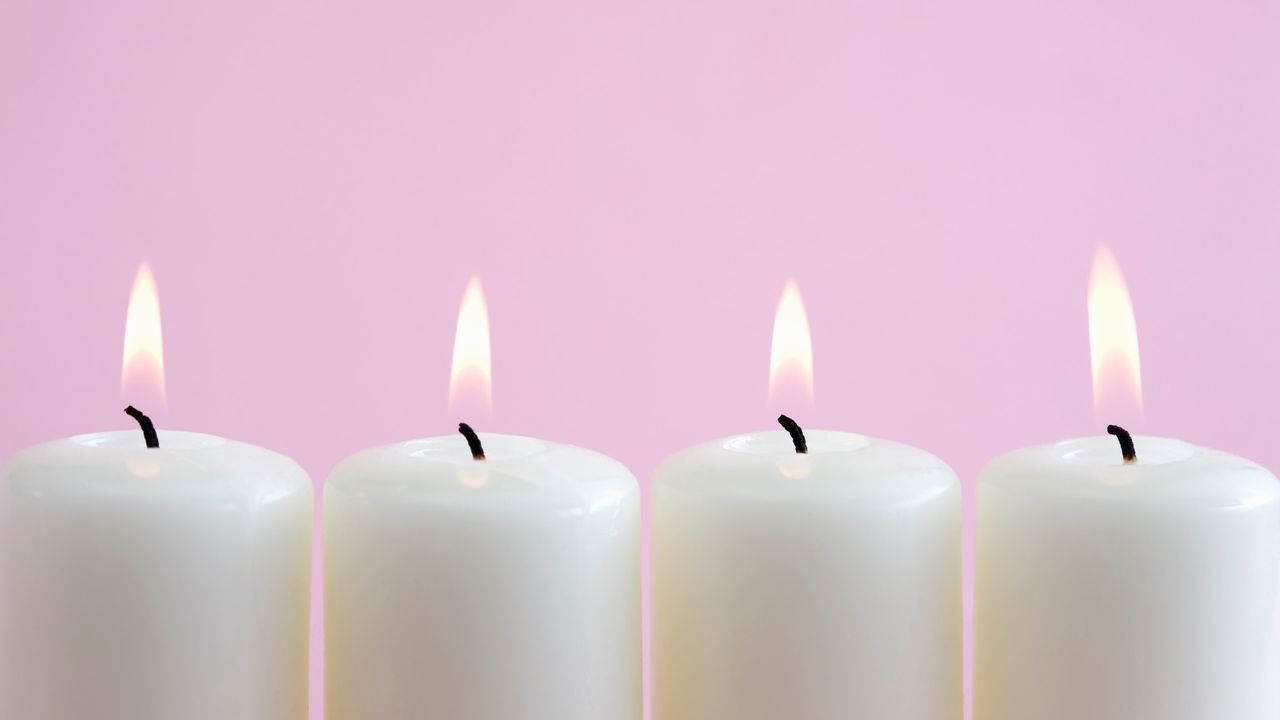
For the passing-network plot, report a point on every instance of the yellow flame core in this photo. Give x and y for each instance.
(791, 355)
(142, 369)
(469, 379)
(1113, 335)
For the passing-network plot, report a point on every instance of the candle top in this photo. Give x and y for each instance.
(1094, 468)
(186, 464)
(516, 468)
(766, 466)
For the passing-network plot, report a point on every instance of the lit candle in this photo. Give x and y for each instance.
(480, 576)
(1126, 578)
(153, 575)
(806, 574)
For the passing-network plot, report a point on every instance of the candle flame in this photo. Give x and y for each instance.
(1113, 337)
(470, 383)
(142, 369)
(791, 355)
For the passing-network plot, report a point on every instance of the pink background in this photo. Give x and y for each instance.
(314, 182)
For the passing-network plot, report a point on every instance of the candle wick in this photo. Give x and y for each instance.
(148, 428)
(473, 441)
(797, 435)
(1126, 443)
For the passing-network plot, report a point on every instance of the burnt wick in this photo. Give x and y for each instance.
(473, 441)
(1126, 443)
(148, 427)
(797, 435)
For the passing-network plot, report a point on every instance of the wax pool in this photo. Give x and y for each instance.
(1113, 591)
(154, 583)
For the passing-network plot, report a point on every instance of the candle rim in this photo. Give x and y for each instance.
(1168, 471)
(117, 463)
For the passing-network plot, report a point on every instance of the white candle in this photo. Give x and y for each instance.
(153, 578)
(816, 585)
(1113, 591)
(153, 583)
(482, 589)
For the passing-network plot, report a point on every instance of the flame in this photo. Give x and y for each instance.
(142, 369)
(791, 356)
(1113, 336)
(470, 383)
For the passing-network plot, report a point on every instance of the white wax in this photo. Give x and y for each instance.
(482, 590)
(823, 586)
(153, 584)
(1127, 592)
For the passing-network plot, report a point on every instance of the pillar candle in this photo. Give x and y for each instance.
(1114, 590)
(822, 584)
(485, 589)
(153, 583)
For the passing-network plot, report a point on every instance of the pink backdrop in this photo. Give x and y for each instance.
(314, 182)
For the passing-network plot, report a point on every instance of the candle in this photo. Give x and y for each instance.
(153, 576)
(1126, 578)
(806, 574)
(1114, 590)
(485, 577)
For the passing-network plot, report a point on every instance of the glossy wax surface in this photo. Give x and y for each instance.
(151, 584)
(1127, 592)
(823, 585)
(486, 590)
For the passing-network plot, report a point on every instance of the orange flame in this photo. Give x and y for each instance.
(470, 382)
(791, 355)
(142, 369)
(1113, 336)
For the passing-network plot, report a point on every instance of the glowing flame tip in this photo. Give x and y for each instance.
(791, 354)
(470, 381)
(142, 367)
(1113, 336)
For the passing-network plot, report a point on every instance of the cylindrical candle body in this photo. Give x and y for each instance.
(486, 590)
(823, 586)
(1127, 592)
(153, 584)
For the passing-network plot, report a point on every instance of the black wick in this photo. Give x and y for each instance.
(473, 441)
(148, 427)
(797, 435)
(1126, 443)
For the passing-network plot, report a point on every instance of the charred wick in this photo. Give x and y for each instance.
(148, 427)
(473, 441)
(797, 435)
(1126, 443)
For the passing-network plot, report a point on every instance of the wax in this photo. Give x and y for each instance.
(1113, 591)
(816, 585)
(153, 584)
(482, 589)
